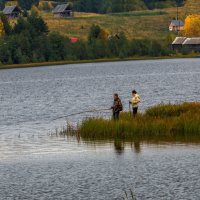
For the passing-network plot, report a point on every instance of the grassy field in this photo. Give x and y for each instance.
(178, 123)
(140, 24)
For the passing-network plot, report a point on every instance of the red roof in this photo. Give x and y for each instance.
(74, 40)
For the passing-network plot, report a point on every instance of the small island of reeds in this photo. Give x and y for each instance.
(163, 122)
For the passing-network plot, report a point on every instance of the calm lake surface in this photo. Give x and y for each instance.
(34, 164)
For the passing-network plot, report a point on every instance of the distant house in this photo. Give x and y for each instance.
(177, 44)
(183, 43)
(176, 25)
(74, 40)
(12, 11)
(192, 44)
(64, 10)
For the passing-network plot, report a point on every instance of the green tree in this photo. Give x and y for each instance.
(38, 25)
(2, 4)
(58, 46)
(94, 33)
(27, 4)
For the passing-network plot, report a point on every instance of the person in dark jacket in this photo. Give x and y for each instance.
(117, 107)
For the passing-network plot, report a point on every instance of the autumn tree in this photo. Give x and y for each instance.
(192, 26)
(6, 26)
(34, 10)
(2, 32)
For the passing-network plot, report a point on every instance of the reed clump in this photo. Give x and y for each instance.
(164, 122)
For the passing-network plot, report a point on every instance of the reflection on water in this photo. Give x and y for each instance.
(99, 171)
(136, 147)
(120, 146)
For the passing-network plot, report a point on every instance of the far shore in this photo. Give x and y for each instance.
(46, 64)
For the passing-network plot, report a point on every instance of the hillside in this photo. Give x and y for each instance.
(140, 24)
(135, 24)
(192, 7)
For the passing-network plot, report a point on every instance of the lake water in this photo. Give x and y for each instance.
(37, 165)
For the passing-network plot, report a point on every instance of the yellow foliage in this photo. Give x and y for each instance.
(104, 34)
(2, 32)
(192, 26)
(45, 5)
(50, 5)
(35, 10)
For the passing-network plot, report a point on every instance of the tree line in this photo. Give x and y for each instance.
(104, 6)
(30, 41)
(114, 6)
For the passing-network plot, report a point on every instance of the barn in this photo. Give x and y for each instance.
(12, 11)
(63, 10)
(184, 43)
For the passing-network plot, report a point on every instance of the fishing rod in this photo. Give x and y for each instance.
(78, 113)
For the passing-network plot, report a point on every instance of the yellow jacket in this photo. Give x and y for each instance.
(136, 100)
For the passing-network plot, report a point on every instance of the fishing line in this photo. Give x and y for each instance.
(83, 112)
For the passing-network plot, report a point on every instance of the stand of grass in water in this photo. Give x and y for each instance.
(164, 122)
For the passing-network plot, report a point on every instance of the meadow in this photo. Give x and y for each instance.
(138, 24)
(164, 122)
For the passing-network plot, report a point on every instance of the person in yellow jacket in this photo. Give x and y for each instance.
(135, 102)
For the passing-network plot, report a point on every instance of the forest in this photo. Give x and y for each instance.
(105, 6)
(29, 41)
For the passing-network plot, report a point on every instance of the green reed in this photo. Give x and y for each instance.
(164, 122)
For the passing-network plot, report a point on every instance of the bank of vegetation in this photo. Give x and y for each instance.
(164, 122)
(29, 41)
(37, 37)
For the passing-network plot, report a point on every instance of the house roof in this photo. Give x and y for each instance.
(10, 9)
(179, 40)
(62, 8)
(177, 22)
(73, 40)
(191, 41)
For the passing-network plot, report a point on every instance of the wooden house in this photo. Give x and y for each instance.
(192, 44)
(12, 11)
(177, 44)
(176, 25)
(64, 10)
(188, 44)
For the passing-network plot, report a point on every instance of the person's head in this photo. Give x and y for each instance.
(115, 96)
(134, 92)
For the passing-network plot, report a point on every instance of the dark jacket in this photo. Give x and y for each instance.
(117, 105)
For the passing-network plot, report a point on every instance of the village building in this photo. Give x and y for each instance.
(64, 10)
(177, 44)
(12, 11)
(192, 44)
(184, 43)
(73, 40)
(176, 25)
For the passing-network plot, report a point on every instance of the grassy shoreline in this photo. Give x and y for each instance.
(164, 122)
(46, 64)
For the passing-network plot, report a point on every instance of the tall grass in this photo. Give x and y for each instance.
(164, 122)
(136, 25)
(140, 13)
